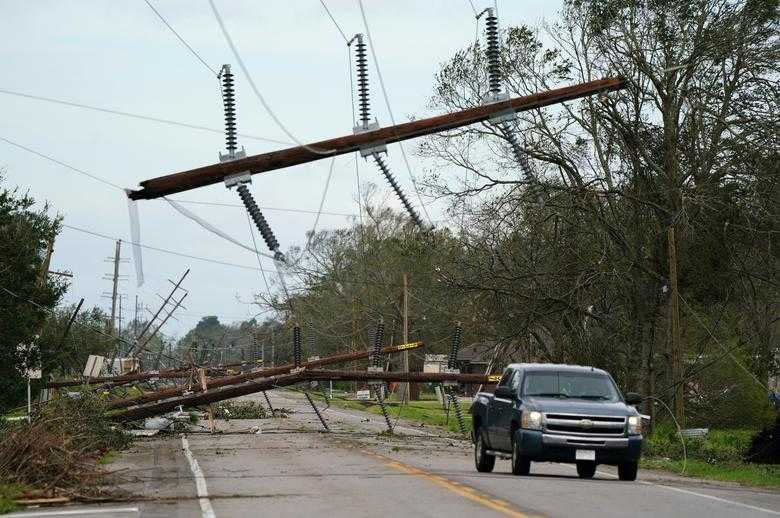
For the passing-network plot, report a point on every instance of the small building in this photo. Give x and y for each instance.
(477, 357)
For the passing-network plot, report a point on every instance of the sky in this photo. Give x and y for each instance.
(119, 55)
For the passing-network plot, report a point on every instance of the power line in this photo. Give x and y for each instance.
(334, 21)
(63, 164)
(137, 116)
(254, 86)
(390, 110)
(51, 312)
(237, 205)
(183, 42)
(116, 186)
(164, 250)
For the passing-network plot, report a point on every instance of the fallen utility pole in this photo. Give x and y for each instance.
(259, 374)
(216, 173)
(213, 395)
(209, 396)
(126, 378)
(410, 377)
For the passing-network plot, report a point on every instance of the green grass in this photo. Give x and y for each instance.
(426, 411)
(107, 458)
(9, 493)
(717, 457)
(759, 475)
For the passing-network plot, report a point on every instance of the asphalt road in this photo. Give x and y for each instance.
(291, 469)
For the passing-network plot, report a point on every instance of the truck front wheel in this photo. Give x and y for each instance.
(520, 465)
(627, 470)
(483, 460)
(586, 469)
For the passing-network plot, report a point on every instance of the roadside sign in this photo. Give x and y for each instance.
(363, 395)
(435, 363)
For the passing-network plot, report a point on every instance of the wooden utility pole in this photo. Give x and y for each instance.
(405, 354)
(210, 408)
(216, 173)
(674, 323)
(46, 261)
(114, 287)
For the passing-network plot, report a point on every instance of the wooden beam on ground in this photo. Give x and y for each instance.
(211, 174)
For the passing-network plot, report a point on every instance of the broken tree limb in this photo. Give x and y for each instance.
(216, 173)
(282, 369)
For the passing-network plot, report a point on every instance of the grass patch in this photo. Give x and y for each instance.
(428, 412)
(759, 475)
(107, 458)
(719, 456)
(9, 493)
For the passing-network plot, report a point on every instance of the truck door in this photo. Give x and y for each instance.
(504, 423)
(499, 414)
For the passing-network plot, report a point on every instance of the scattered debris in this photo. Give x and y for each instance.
(240, 410)
(57, 452)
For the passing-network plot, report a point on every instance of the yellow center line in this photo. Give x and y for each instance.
(458, 488)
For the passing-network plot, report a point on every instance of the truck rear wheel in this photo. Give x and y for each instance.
(520, 465)
(627, 470)
(586, 469)
(483, 460)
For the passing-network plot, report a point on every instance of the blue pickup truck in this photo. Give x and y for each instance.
(557, 413)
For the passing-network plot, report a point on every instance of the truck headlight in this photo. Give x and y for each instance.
(531, 420)
(634, 425)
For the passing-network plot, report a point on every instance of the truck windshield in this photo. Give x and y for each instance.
(579, 385)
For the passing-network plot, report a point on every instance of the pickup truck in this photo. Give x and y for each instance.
(557, 413)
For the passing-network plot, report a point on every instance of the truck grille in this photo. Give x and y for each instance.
(585, 425)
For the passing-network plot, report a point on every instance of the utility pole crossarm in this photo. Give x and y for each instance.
(211, 174)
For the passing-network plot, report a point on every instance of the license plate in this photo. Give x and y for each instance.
(585, 455)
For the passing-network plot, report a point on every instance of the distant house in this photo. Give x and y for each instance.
(475, 358)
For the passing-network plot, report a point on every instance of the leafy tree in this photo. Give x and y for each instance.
(27, 292)
(689, 144)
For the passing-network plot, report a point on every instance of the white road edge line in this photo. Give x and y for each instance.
(701, 495)
(200, 481)
(74, 512)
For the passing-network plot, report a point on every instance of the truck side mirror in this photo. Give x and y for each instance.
(632, 398)
(505, 392)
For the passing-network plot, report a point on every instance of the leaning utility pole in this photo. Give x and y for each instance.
(164, 320)
(674, 323)
(162, 306)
